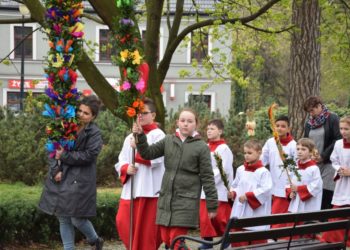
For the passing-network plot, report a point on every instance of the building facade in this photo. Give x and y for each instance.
(176, 91)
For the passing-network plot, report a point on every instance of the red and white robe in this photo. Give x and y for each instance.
(271, 156)
(147, 182)
(309, 193)
(254, 181)
(340, 157)
(216, 226)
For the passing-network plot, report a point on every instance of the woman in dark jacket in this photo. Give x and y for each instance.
(70, 189)
(322, 127)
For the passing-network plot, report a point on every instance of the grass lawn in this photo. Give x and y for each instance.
(18, 190)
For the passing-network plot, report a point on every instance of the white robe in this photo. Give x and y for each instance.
(147, 180)
(227, 159)
(270, 155)
(259, 182)
(311, 177)
(340, 157)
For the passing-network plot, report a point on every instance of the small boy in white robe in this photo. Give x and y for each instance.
(306, 193)
(251, 188)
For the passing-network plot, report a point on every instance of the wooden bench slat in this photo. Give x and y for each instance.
(291, 217)
(287, 231)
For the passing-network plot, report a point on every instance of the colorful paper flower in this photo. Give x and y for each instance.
(65, 30)
(126, 85)
(131, 112)
(124, 55)
(136, 57)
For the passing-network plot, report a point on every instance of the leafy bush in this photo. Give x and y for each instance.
(21, 221)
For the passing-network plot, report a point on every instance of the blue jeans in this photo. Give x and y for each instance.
(67, 225)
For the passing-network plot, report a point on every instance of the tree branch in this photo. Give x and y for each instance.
(164, 64)
(269, 31)
(17, 20)
(105, 9)
(93, 18)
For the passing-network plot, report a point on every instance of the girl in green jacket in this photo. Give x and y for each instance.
(187, 170)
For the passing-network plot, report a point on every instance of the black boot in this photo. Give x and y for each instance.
(99, 243)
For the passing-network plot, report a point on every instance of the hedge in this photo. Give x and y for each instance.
(21, 222)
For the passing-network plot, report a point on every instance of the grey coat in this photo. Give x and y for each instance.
(75, 194)
(187, 169)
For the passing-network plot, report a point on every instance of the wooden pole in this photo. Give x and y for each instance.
(132, 198)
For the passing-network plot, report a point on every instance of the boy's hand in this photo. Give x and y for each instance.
(230, 195)
(132, 170)
(292, 195)
(344, 171)
(132, 142)
(59, 152)
(136, 127)
(242, 199)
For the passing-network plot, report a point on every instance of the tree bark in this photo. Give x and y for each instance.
(305, 61)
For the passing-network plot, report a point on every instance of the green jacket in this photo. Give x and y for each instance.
(187, 169)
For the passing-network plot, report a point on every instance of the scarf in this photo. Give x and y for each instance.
(214, 144)
(252, 167)
(346, 144)
(286, 140)
(306, 164)
(316, 122)
(149, 127)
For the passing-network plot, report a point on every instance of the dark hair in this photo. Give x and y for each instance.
(254, 144)
(283, 118)
(191, 111)
(150, 104)
(217, 122)
(93, 103)
(312, 102)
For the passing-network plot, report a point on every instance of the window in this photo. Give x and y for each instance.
(206, 97)
(28, 43)
(105, 50)
(13, 99)
(199, 45)
(200, 98)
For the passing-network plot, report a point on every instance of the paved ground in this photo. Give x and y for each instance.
(109, 245)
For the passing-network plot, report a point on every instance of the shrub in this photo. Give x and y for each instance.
(21, 221)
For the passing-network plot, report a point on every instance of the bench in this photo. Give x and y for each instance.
(308, 223)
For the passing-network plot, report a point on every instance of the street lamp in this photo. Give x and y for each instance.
(24, 11)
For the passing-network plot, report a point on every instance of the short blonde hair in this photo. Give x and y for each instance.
(345, 119)
(310, 144)
(254, 144)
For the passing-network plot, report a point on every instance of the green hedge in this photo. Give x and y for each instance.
(21, 222)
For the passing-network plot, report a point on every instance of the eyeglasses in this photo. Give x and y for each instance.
(145, 113)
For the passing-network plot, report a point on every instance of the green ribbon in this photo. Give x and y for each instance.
(121, 3)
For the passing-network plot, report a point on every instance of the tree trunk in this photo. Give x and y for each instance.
(154, 17)
(305, 61)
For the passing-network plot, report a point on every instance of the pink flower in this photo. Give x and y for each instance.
(126, 85)
(140, 85)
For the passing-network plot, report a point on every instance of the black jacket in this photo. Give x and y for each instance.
(75, 195)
